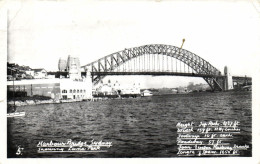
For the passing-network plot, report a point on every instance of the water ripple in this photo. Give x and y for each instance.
(141, 127)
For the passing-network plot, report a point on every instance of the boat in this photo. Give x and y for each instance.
(247, 88)
(146, 93)
(16, 114)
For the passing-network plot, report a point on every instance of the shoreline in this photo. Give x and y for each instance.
(40, 101)
(32, 102)
(52, 101)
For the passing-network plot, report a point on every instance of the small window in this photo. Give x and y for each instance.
(77, 91)
(81, 91)
(74, 91)
(71, 91)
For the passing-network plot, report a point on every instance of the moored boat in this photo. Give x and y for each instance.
(146, 93)
(15, 114)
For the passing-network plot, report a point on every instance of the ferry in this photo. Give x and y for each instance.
(146, 93)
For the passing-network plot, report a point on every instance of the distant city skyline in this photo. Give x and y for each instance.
(224, 33)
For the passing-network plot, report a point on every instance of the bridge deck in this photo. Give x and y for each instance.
(241, 78)
(153, 74)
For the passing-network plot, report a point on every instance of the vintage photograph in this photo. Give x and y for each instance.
(130, 79)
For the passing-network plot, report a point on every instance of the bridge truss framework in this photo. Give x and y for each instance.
(151, 60)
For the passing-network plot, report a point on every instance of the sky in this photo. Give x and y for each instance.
(225, 33)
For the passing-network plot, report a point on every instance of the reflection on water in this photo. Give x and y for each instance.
(140, 127)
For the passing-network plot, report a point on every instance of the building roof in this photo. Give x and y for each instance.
(39, 69)
(10, 64)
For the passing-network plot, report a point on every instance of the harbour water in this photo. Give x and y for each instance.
(137, 127)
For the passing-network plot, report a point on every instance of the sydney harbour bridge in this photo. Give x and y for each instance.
(161, 60)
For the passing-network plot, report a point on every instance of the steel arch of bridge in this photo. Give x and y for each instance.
(202, 68)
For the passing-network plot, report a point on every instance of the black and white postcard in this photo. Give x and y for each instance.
(155, 80)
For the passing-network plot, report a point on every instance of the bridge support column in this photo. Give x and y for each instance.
(215, 83)
(228, 79)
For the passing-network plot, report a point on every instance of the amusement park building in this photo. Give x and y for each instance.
(54, 88)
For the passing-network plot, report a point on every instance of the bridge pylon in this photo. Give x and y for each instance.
(228, 79)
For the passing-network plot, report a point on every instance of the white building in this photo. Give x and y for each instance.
(116, 88)
(76, 89)
(54, 88)
(40, 73)
(147, 93)
(106, 89)
(30, 72)
(130, 89)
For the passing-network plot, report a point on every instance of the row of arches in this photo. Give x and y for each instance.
(73, 91)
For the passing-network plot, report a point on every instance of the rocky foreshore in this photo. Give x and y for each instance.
(49, 101)
(32, 102)
(52, 101)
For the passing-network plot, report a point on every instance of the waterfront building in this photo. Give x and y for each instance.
(106, 89)
(39, 73)
(54, 88)
(174, 90)
(130, 89)
(68, 85)
(30, 72)
(40, 87)
(117, 89)
(71, 89)
(146, 93)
